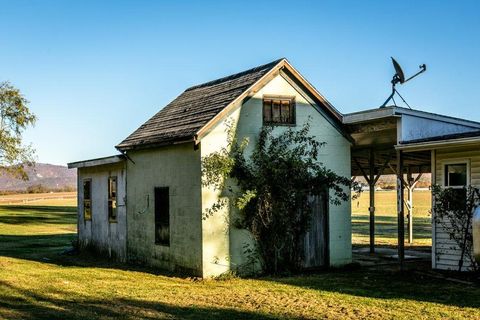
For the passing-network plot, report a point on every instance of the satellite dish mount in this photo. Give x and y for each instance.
(399, 77)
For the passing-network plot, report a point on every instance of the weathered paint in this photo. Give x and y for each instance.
(223, 247)
(445, 251)
(100, 234)
(176, 167)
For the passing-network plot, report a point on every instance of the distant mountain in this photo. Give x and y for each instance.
(48, 176)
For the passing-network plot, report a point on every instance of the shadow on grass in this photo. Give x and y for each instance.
(391, 285)
(51, 249)
(34, 215)
(386, 226)
(24, 304)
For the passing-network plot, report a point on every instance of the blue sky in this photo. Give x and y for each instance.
(96, 70)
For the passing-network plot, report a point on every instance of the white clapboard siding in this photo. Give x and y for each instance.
(447, 252)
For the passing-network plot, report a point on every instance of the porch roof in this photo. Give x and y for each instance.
(383, 131)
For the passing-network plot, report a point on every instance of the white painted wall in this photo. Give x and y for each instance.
(223, 246)
(108, 238)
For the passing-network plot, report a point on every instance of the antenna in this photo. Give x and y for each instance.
(399, 77)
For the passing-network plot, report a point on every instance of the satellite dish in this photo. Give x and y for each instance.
(399, 77)
(398, 70)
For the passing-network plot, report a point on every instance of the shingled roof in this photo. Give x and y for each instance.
(182, 118)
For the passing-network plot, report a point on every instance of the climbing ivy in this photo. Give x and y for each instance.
(271, 187)
(453, 210)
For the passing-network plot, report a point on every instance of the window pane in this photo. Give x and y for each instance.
(285, 111)
(112, 198)
(86, 189)
(87, 202)
(267, 111)
(456, 174)
(276, 112)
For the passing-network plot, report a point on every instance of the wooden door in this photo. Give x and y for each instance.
(315, 243)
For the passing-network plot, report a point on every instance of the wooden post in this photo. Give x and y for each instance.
(400, 210)
(371, 208)
(410, 187)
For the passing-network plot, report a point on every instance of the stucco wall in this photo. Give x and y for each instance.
(176, 167)
(106, 237)
(223, 246)
(446, 253)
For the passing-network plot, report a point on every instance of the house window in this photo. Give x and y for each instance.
(112, 199)
(87, 199)
(456, 178)
(278, 111)
(456, 175)
(162, 216)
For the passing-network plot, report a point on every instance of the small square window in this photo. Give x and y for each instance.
(279, 111)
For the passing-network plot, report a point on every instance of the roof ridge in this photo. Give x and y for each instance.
(236, 75)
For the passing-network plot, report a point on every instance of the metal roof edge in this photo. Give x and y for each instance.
(436, 116)
(97, 162)
(446, 143)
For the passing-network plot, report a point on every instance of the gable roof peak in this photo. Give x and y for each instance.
(237, 75)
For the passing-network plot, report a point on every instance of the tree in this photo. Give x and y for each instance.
(271, 190)
(454, 211)
(15, 117)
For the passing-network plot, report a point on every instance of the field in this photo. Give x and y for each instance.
(37, 282)
(39, 199)
(386, 219)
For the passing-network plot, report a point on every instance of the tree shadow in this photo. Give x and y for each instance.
(54, 249)
(34, 215)
(25, 304)
(380, 284)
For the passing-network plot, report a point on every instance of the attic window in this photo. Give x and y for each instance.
(279, 110)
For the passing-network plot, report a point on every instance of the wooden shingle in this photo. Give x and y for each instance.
(182, 118)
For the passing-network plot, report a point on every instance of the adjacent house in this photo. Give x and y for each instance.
(146, 204)
(455, 163)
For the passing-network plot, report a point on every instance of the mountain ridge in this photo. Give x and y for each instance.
(48, 176)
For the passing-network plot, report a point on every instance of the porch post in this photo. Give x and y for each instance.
(400, 209)
(371, 208)
(410, 186)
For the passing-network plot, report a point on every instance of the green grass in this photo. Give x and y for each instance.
(36, 282)
(386, 219)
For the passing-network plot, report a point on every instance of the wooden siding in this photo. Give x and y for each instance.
(445, 251)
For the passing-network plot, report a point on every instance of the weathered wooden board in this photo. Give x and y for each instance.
(315, 244)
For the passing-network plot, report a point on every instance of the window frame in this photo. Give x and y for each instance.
(281, 98)
(110, 209)
(455, 162)
(89, 180)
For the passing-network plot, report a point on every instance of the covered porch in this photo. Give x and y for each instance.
(379, 135)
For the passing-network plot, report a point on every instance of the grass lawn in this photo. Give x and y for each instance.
(38, 283)
(386, 219)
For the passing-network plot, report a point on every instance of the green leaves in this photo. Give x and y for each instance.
(271, 188)
(15, 117)
(453, 209)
